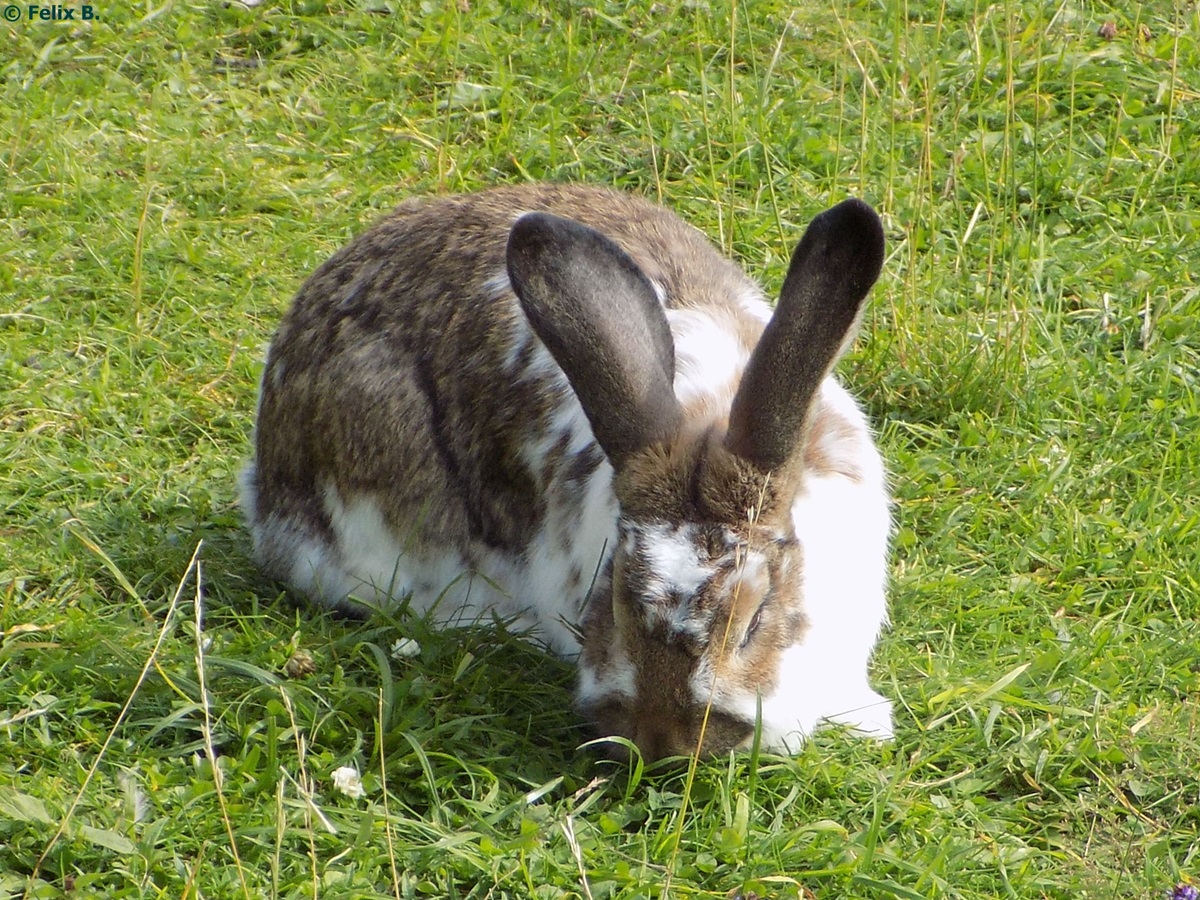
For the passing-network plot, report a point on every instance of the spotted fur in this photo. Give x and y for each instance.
(560, 405)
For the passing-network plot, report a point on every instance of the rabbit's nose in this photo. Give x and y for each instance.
(651, 743)
(658, 737)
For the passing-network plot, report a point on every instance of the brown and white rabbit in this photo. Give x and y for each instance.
(560, 404)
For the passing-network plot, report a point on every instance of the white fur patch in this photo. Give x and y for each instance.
(856, 453)
(676, 573)
(498, 285)
(615, 681)
(660, 292)
(709, 358)
(248, 493)
(366, 544)
(498, 290)
(752, 301)
(317, 572)
(548, 568)
(733, 699)
(673, 556)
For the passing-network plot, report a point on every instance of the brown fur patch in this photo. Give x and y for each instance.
(695, 479)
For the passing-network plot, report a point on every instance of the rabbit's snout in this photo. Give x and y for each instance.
(666, 735)
(659, 734)
(659, 737)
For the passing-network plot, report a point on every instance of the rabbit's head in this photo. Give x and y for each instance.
(686, 627)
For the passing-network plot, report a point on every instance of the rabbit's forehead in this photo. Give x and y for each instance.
(679, 557)
(682, 548)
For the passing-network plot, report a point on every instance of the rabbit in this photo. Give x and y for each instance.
(561, 406)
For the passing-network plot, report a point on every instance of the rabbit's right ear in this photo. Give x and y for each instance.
(833, 268)
(599, 316)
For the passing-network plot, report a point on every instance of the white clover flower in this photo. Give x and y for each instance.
(347, 780)
(405, 648)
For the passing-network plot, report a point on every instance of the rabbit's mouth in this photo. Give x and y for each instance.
(658, 735)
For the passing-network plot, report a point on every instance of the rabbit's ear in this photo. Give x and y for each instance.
(833, 268)
(601, 320)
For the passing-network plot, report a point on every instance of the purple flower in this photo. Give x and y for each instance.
(1185, 892)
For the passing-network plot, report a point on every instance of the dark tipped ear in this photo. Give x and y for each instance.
(834, 266)
(598, 315)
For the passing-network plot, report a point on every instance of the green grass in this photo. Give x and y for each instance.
(1032, 357)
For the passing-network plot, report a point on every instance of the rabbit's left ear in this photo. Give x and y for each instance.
(598, 315)
(833, 268)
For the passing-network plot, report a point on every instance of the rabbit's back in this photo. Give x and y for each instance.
(415, 437)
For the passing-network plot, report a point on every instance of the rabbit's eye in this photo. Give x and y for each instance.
(754, 623)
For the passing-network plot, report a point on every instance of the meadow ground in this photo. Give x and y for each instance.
(1031, 356)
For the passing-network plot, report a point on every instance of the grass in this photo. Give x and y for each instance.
(1032, 354)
